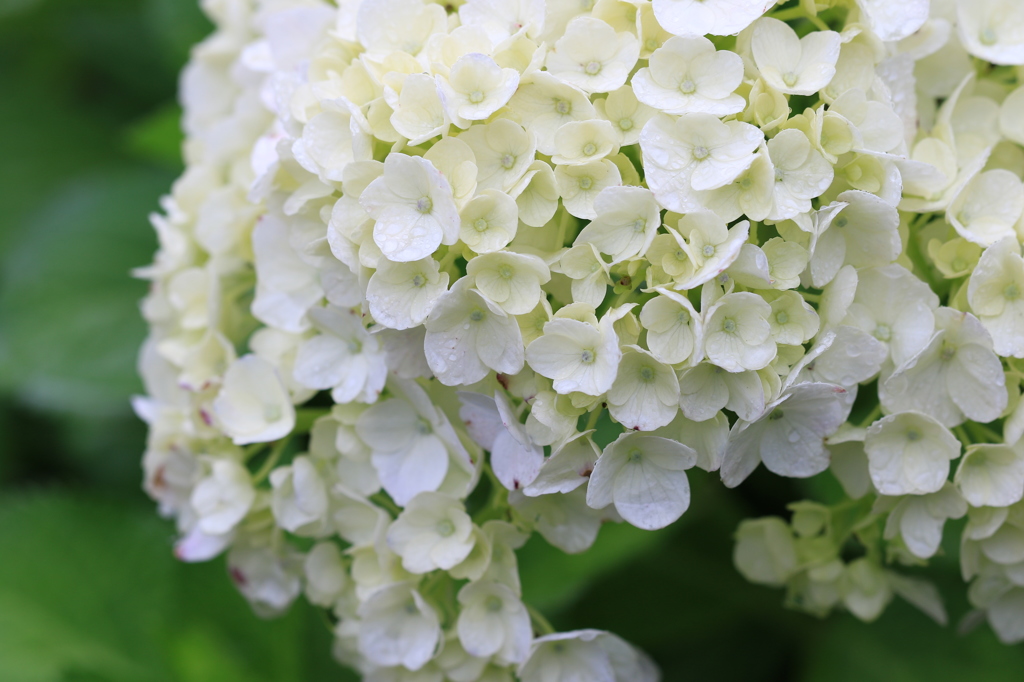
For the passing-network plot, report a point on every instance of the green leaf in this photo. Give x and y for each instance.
(157, 137)
(69, 321)
(904, 646)
(89, 591)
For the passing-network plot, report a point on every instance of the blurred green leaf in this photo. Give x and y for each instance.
(553, 579)
(93, 594)
(904, 646)
(178, 25)
(69, 318)
(157, 137)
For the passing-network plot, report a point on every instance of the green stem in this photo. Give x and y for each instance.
(982, 433)
(305, 416)
(875, 413)
(382, 500)
(272, 459)
(540, 624)
(594, 416)
(961, 435)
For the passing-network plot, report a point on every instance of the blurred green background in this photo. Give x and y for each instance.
(88, 587)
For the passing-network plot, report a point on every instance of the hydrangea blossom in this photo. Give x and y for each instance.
(555, 254)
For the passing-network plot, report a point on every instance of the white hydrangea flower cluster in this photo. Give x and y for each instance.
(441, 275)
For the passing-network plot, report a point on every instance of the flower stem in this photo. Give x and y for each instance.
(540, 624)
(272, 459)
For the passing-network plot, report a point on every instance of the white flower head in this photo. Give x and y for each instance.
(401, 295)
(992, 30)
(419, 113)
(909, 453)
(991, 475)
(545, 103)
(493, 622)
(710, 245)
(645, 478)
(988, 207)
(223, 497)
(253, 405)
(789, 437)
(578, 142)
(468, 336)
(398, 627)
(918, 519)
(577, 356)
(433, 531)
(737, 334)
(627, 220)
(344, 357)
(956, 377)
(627, 115)
(717, 17)
(299, 500)
(687, 74)
(801, 174)
(413, 207)
(489, 221)
(475, 88)
(645, 394)
(580, 185)
(996, 295)
(591, 56)
(674, 327)
(692, 153)
(861, 230)
(510, 280)
(795, 66)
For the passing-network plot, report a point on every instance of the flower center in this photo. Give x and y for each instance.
(729, 325)
(480, 225)
(586, 182)
(775, 416)
(646, 374)
(424, 205)
(651, 44)
(507, 161)
(745, 183)
(708, 251)
(589, 149)
(639, 225)
(913, 435)
(947, 352)
(883, 332)
(635, 455)
(423, 427)
(959, 264)
(506, 271)
(625, 123)
(445, 528)
(842, 221)
(779, 175)
(588, 356)
(782, 317)
(687, 87)
(410, 607)
(1011, 292)
(789, 79)
(476, 315)
(700, 153)
(418, 281)
(593, 68)
(988, 37)
(493, 604)
(271, 413)
(476, 97)
(563, 107)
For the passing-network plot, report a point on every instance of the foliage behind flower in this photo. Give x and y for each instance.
(439, 277)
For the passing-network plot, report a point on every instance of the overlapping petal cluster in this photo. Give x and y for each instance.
(438, 276)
